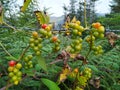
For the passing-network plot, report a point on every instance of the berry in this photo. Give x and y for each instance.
(35, 34)
(47, 28)
(12, 63)
(96, 25)
(18, 66)
(76, 70)
(11, 74)
(44, 26)
(19, 73)
(16, 82)
(101, 29)
(54, 38)
(15, 70)
(14, 78)
(10, 69)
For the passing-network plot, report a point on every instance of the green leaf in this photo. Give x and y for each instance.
(29, 72)
(93, 68)
(25, 5)
(50, 84)
(10, 58)
(41, 62)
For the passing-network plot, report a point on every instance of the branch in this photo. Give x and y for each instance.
(7, 51)
(23, 53)
(56, 61)
(5, 87)
(9, 26)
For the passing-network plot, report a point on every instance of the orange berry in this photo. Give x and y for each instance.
(35, 34)
(76, 70)
(96, 25)
(54, 38)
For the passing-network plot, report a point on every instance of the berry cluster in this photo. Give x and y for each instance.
(76, 45)
(35, 43)
(76, 33)
(15, 74)
(98, 30)
(56, 42)
(45, 31)
(28, 62)
(97, 49)
(80, 78)
(76, 28)
(87, 73)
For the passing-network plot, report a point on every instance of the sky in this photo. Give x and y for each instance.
(55, 6)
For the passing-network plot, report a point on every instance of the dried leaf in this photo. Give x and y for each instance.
(65, 72)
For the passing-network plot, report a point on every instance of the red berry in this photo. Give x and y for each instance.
(44, 26)
(12, 63)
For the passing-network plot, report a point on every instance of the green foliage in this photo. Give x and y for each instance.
(50, 84)
(115, 7)
(111, 21)
(41, 62)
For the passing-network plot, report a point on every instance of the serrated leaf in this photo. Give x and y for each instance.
(50, 84)
(25, 5)
(41, 62)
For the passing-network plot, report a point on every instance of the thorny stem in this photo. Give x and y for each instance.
(7, 51)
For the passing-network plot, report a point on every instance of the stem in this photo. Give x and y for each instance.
(85, 16)
(65, 86)
(90, 46)
(7, 51)
(23, 53)
(9, 26)
(3, 68)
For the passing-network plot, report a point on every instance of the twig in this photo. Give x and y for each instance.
(4, 88)
(65, 86)
(23, 53)
(9, 26)
(7, 51)
(56, 61)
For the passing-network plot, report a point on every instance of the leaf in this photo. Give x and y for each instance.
(25, 5)
(10, 58)
(93, 68)
(42, 18)
(41, 62)
(50, 84)
(29, 72)
(1, 15)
